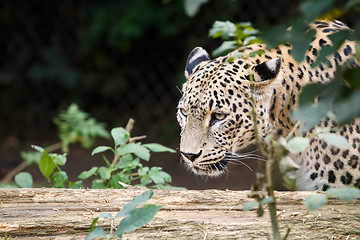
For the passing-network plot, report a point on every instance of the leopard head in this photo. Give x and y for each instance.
(215, 112)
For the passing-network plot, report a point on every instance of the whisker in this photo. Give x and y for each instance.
(238, 163)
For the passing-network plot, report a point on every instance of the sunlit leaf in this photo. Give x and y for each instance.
(59, 159)
(287, 164)
(335, 140)
(297, 144)
(37, 148)
(46, 165)
(120, 136)
(100, 149)
(224, 29)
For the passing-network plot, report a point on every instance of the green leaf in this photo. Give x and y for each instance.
(314, 202)
(335, 140)
(98, 232)
(46, 165)
(225, 29)
(105, 172)
(287, 164)
(143, 171)
(297, 144)
(93, 224)
(37, 148)
(155, 147)
(100, 149)
(120, 136)
(346, 193)
(289, 181)
(24, 180)
(143, 197)
(192, 7)
(267, 200)
(59, 179)
(145, 180)
(137, 218)
(86, 174)
(311, 114)
(98, 184)
(315, 8)
(224, 48)
(250, 205)
(126, 161)
(158, 176)
(31, 156)
(59, 159)
(76, 185)
(135, 148)
(105, 215)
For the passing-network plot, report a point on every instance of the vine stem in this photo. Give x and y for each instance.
(270, 190)
(269, 172)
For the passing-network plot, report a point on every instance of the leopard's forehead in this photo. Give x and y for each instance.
(218, 80)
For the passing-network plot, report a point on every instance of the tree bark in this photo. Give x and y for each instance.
(47, 213)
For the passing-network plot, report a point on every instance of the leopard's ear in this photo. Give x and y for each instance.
(269, 69)
(196, 56)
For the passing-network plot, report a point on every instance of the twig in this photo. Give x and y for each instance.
(24, 164)
(134, 139)
(13, 172)
(130, 125)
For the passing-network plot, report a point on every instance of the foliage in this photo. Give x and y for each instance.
(126, 167)
(234, 36)
(133, 218)
(314, 202)
(75, 126)
(192, 7)
(343, 91)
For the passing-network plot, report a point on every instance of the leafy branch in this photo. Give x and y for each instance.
(133, 218)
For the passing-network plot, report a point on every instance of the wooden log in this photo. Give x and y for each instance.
(47, 213)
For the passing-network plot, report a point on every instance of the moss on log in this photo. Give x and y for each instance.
(47, 213)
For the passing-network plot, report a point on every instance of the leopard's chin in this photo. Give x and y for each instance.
(210, 170)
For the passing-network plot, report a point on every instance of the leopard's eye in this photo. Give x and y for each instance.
(219, 116)
(216, 117)
(183, 112)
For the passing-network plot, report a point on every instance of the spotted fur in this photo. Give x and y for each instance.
(215, 110)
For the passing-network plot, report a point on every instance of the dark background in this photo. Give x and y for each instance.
(116, 60)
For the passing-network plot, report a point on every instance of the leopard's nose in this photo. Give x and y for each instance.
(191, 156)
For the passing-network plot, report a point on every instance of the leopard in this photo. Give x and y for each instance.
(220, 95)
